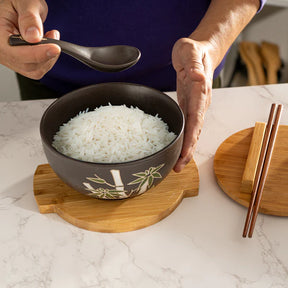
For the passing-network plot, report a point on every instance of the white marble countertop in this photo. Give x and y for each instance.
(198, 245)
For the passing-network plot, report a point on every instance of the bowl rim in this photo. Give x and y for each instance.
(143, 159)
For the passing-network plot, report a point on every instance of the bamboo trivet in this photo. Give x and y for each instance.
(54, 196)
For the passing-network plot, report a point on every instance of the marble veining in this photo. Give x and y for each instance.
(198, 245)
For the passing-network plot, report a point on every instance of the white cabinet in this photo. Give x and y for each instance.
(280, 3)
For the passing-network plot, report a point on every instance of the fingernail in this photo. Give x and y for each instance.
(51, 53)
(32, 33)
(57, 35)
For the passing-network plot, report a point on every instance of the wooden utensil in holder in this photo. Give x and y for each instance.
(271, 61)
(250, 54)
(257, 57)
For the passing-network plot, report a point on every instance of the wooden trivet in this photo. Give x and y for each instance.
(229, 165)
(54, 196)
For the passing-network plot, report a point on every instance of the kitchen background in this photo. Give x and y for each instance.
(269, 25)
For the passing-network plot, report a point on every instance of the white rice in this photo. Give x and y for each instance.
(112, 134)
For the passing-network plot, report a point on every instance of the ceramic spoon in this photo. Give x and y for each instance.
(107, 58)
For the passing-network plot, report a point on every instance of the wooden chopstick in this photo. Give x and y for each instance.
(262, 169)
(259, 168)
(265, 168)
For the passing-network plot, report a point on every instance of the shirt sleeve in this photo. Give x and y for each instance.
(262, 3)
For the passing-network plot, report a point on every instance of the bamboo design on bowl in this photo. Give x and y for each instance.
(145, 181)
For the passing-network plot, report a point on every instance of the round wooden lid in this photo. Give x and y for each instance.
(229, 164)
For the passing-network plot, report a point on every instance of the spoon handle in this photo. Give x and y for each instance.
(17, 40)
(66, 47)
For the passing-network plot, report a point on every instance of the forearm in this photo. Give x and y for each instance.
(222, 23)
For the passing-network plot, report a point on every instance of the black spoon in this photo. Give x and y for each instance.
(106, 59)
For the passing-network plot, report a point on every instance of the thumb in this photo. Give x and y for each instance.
(31, 15)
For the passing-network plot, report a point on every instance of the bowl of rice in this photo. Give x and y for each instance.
(112, 140)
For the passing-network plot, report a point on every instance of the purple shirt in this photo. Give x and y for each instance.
(152, 26)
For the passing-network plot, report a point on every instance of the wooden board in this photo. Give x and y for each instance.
(54, 196)
(229, 164)
(252, 161)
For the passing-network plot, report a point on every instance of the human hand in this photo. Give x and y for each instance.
(26, 17)
(193, 63)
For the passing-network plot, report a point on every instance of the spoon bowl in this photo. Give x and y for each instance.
(113, 58)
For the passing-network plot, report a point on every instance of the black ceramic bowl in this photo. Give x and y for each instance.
(124, 180)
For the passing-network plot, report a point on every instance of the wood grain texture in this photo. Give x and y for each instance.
(253, 157)
(54, 196)
(271, 60)
(250, 54)
(229, 164)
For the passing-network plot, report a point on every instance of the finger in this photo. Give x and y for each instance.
(33, 54)
(54, 34)
(37, 71)
(31, 15)
(181, 97)
(25, 59)
(195, 95)
(8, 19)
(183, 161)
(191, 137)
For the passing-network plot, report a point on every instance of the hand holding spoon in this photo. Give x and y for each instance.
(106, 59)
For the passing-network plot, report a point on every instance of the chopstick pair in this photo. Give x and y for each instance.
(262, 169)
